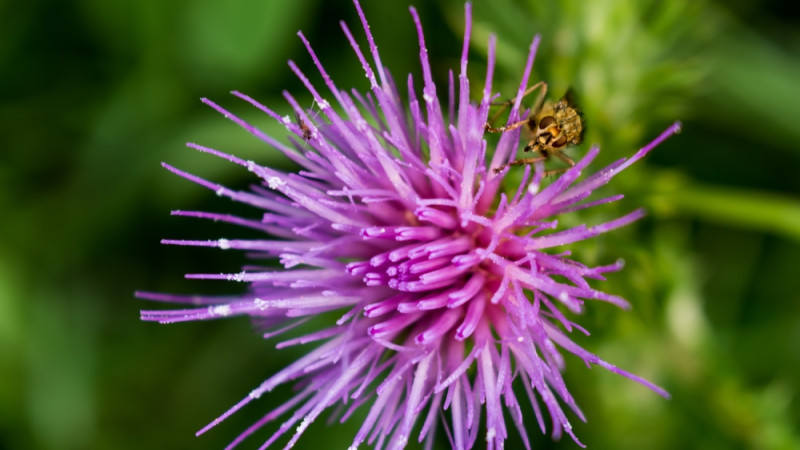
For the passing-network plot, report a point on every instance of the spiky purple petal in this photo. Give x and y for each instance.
(445, 292)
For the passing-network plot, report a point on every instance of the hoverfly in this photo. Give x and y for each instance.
(553, 126)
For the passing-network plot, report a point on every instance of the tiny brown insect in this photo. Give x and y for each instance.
(304, 129)
(553, 126)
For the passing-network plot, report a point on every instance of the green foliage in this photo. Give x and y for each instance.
(93, 95)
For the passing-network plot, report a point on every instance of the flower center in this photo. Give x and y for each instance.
(430, 275)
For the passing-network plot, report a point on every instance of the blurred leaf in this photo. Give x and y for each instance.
(210, 129)
(124, 27)
(222, 42)
(632, 63)
(97, 93)
(757, 91)
(763, 211)
(61, 373)
(12, 346)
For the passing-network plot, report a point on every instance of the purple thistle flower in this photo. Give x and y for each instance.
(449, 292)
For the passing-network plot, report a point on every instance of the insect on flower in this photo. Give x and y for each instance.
(553, 127)
(305, 130)
(424, 294)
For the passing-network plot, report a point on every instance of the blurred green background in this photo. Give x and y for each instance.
(95, 94)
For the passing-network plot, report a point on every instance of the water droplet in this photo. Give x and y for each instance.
(260, 304)
(275, 182)
(221, 310)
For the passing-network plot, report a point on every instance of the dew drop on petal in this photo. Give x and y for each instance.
(260, 304)
(236, 277)
(275, 182)
(222, 310)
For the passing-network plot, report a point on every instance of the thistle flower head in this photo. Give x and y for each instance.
(449, 292)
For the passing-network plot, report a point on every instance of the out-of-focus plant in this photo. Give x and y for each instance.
(94, 94)
(636, 65)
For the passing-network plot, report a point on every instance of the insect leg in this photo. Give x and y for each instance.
(503, 106)
(561, 156)
(513, 126)
(555, 171)
(540, 99)
(521, 162)
(565, 158)
(509, 127)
